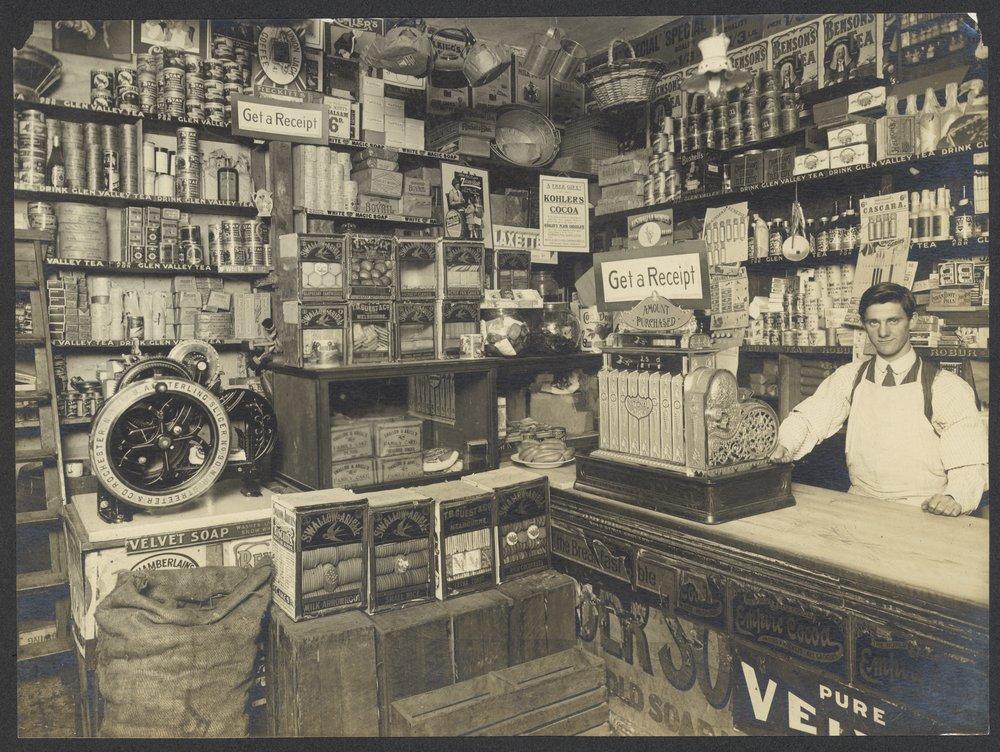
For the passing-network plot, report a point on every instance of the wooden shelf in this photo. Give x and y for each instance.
(24, 425)
(28, 339)
(73, 421)
(977, 353)
(125, 344)
(959, 309)
(36, 395)
(33, 518)
(128, 267)
(714, 198)
(394, 219)
(46, 649)
(40, 581)
(19, 285)
(34, 455)
(117, 199)
(67, 110)
(350, 143)
(530, 363)
(390, 370)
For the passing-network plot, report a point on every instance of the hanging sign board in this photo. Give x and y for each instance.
(297, 122)
(564, 214)
(883, 217)
(515, 238)
(678, 272)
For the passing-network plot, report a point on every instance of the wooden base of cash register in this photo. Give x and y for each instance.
(701, 498)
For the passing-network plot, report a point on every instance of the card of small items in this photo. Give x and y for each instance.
(317, 548)
(372, 266)
(522, 530)
(400, 549)
(463, 524)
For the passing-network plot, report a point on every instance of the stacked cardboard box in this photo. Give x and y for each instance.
(150, 235)
(469, 134)
(626, 169)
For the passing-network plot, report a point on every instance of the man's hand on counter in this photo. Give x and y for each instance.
(943, 505)
(781, 454)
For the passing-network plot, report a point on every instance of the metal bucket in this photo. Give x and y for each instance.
(542, 54)
(568, 60)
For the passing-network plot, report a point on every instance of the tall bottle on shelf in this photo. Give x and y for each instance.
(835, 231)
(914, 216)
(940, 221)
(56, 168)
(925, 217)
(952, 110)
(822, 237)
(929, 122)
(852, 227)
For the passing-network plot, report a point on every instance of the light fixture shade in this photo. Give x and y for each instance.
(715, 73)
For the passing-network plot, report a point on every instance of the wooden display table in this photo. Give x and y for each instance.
(838, 601)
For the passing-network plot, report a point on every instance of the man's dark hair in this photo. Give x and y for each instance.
(887, 292)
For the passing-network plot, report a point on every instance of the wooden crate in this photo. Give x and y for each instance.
(566, 688)
(479, 624)
(322, 676)
(412, 653)
(542, 615)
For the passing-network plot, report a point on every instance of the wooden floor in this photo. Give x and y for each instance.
(47, 706)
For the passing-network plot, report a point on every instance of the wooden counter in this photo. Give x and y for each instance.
(839, 593)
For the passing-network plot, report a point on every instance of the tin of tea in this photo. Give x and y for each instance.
(187, 140)
(223, 48)
(233, 72)
(112, 176)
(768, 124)
(101, 82)
(134, 327)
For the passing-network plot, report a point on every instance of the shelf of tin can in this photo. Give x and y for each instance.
(66, 110)
(395, 219)
(350, 143)
(126, 344)
(35, 395)
(715, 198)
(129, 267)
(118, 199)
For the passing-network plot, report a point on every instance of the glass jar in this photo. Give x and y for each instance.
(507, 332)
(559, 331)
(545, 282)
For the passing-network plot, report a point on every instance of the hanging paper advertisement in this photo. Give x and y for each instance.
(466, 196)
(725, 233)
(884, 240)
(564, 214)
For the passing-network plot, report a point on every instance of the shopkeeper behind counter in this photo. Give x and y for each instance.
(914, 432)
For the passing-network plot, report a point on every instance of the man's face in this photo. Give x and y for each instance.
(888, 328)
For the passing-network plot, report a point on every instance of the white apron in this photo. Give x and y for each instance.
(893, 452)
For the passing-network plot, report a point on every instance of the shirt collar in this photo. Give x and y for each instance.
(900, 366)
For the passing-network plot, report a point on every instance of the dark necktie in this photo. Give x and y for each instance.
(888, 380)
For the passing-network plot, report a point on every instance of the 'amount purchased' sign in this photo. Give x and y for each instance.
(679, 275)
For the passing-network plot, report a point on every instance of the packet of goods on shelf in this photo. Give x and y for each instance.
(371, 332)
(372, 266)
(455, 318)
(313, 334)
(464, 523)
(400, 552)
(461, 270)
(521, 542)
(415, 330)
(318, 552)
(417, 268)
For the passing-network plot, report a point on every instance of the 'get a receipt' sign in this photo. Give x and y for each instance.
(276, 120)
(677, 272)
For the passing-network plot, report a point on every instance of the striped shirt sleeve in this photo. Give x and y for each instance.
(820, 415)
(964, 439)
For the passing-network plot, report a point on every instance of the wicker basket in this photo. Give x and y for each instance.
(622, 82)
(525, 137)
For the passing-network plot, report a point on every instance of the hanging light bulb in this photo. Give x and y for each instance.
(716, 74)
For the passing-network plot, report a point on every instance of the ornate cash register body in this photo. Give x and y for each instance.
(676, 433)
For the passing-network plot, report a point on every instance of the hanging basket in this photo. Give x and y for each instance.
(622, 82)
(525, 137)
